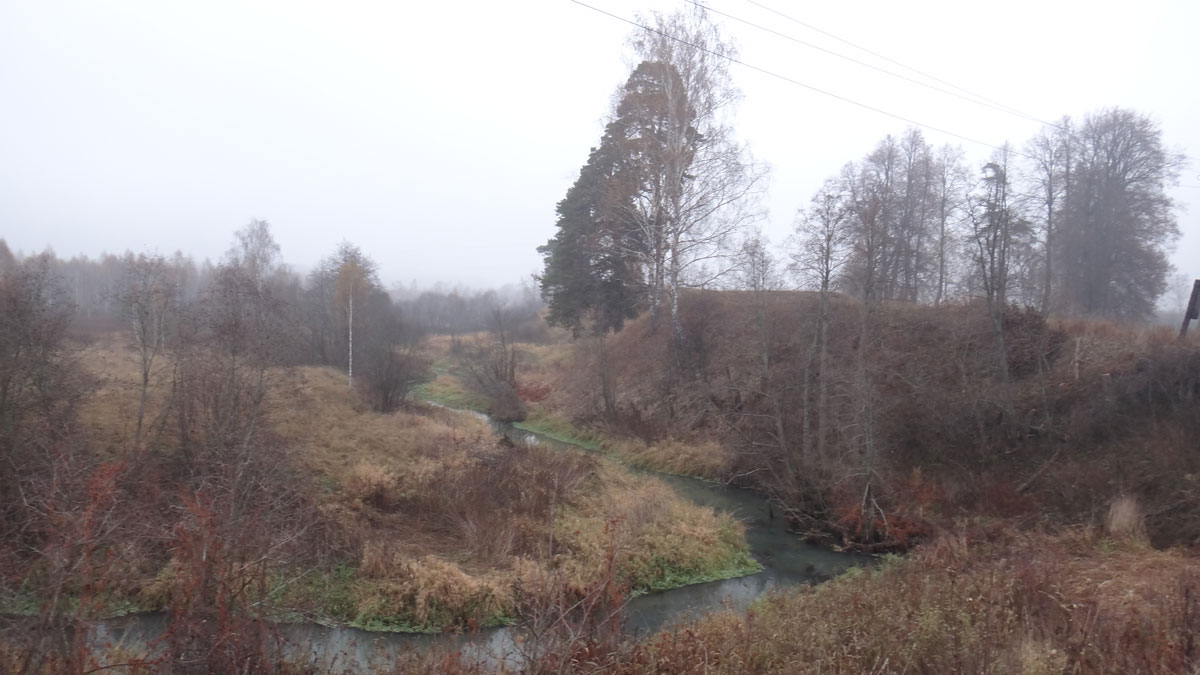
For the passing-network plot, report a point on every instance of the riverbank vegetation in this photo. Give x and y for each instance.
(1077, 414)
(211, 458)
(982, 598)
(433, 487)
(1047, 504)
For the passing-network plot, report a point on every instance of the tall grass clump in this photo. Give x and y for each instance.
(1126, 520)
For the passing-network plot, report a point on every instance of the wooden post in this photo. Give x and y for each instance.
(1193, 309)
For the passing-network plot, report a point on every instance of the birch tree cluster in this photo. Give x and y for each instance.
(1077, 222)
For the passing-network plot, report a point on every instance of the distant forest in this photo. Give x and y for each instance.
(95, 286)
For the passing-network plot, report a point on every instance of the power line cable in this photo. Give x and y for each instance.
(970, 99)
(798, 83)
(895, 62)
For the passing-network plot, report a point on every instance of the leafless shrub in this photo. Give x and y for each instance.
(565, 627)
(502, 503)
(392, 356)
(490, 362)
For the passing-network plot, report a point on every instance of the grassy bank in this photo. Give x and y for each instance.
(981, 599)
(429, 521)
(555, 426)
(449, 522)
(542, 372)
(446, 389)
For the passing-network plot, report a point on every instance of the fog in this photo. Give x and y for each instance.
(438, 137)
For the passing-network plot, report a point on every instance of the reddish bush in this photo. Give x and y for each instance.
(533, 392)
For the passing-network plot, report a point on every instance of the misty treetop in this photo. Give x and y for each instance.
(1116, 217)
(664, 194)
(1079, 223)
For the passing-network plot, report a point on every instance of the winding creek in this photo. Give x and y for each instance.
(787, 561)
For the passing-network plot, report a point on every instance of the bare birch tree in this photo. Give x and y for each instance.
(690, 185)
(148, 298)
(949, 184)
(821, 245)
(1046, 182)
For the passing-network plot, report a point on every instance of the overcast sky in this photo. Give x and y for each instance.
(438, 136)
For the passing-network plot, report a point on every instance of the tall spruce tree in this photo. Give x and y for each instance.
(589, 279)
(664, 194)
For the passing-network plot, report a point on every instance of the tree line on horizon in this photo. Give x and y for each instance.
(336, 315)
(93, 286)
(1075, 222)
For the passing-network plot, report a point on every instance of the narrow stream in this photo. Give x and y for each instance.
(787, 561)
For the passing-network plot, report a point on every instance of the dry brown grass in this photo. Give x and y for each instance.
(1126, 520)
(991, 602)
(663, 540)
(426, 485)
(109, 414)
(316, 413)
(371, 484)
(702, 457)
(436, 519)
(433, 592)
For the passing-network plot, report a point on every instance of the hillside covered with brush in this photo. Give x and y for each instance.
(872, 424)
